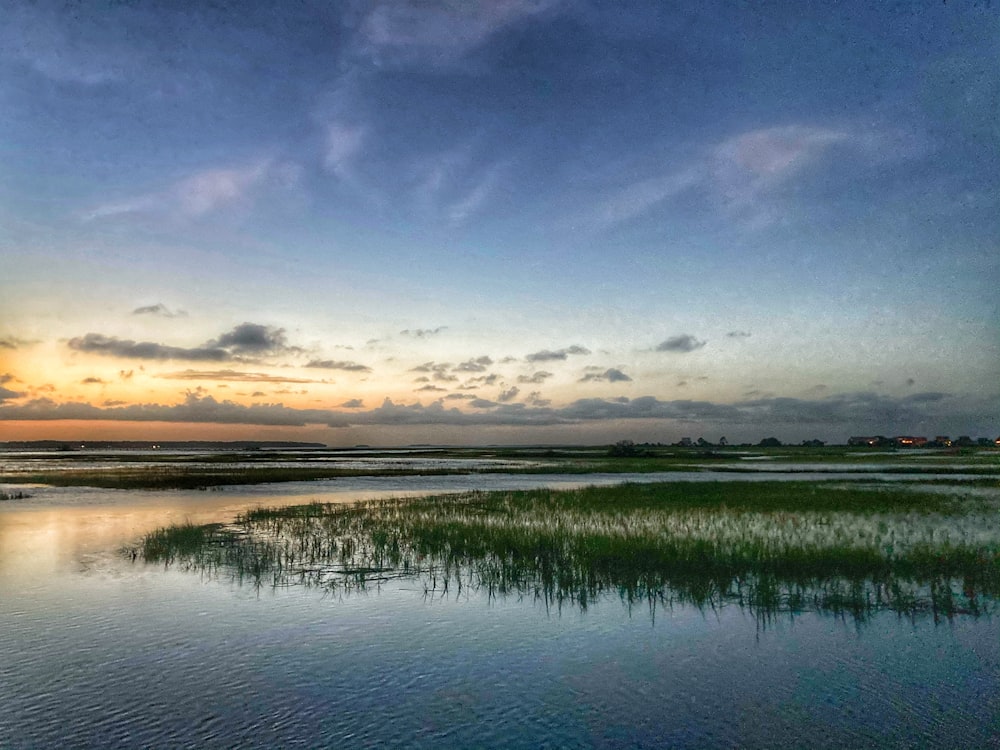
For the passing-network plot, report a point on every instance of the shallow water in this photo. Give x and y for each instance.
(99, 651)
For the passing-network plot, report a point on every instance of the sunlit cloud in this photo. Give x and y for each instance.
(847, 411)
(234, 375)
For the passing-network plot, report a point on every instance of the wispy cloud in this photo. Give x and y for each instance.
(741, 175)
(683, 343)
(409, 32)
(204, 193)
(12, 342)
(738, 334)
(343, 144)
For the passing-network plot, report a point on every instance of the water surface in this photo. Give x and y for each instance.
(100, 650)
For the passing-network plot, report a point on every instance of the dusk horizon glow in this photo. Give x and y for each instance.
(517, 222)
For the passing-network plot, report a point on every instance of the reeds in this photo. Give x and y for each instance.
(774, 547)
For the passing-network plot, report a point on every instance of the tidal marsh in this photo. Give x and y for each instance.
(770, 547)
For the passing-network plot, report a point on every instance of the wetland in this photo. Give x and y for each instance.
(500, 598)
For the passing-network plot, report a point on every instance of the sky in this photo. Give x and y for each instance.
(517, 222)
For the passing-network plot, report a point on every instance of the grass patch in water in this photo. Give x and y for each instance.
(773, 547)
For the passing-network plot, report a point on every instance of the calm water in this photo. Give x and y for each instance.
(98, 651)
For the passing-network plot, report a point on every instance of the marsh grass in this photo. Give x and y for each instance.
(152, 470)
(15, 495)
(773, 548)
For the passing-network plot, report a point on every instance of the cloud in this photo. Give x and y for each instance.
(509, 394)
(233, 375)
(410, 32)
(205, 192)
(354, 403)
(255, 339)
(738, 334)
(479, 364)
(343, 144)
(423, 332)
(683, 343)
(159, 309)
(546, 355)
(430, 387)
(473, 383)
(96, 343)
(245, 339)
(12, 342)
(742, 176)
(612, 375)
(438, 370)
(329, 364)
(6, 394)
(92, 381)
(535, 378)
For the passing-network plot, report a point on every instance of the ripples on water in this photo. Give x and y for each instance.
(96, 651)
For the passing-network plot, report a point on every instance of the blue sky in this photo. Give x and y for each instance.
(374, 221)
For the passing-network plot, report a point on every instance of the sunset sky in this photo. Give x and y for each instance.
(519, 221)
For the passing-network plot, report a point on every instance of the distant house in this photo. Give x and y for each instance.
(869, 442)
(908, 441)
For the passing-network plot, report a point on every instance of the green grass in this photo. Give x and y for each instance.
(774, 547)
(195, 471)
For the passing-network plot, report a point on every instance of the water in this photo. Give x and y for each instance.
(100, 651)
